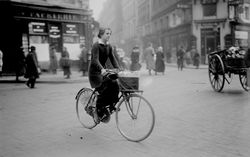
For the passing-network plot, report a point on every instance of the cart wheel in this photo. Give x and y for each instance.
(216, 72)
(243, 81)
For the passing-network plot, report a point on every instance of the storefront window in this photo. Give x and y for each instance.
(247, 13)
(209, 10)
(37, 28)
(71, 39)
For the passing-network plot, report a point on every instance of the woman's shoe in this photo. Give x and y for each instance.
(95, 116)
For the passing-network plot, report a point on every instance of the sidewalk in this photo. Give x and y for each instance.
(46, 77)
(76, 76)
(190, 66)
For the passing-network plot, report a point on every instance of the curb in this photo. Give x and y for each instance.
(188, 67)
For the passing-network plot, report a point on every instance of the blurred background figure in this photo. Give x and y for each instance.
(65, 63)
(53, 60)
(20, 63)
(1, 62)
(124, 62)
(180, 57)
(149, 57)
(32, 72)
(135, 59)
(168, 55)
(196, 60)
(159, 63)
(83, 60)
(188, 58)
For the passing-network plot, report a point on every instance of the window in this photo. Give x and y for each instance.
(209, 10)
(174, 19)
(167, 21)
(161, 25)
(246, 11)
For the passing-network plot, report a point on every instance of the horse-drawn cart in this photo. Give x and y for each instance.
(225, 63)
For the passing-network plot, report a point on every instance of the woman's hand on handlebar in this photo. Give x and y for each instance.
(103, 72)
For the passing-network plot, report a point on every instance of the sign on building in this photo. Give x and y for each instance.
(241, 35)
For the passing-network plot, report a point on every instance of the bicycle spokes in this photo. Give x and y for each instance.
(132, 107)
(135, 120)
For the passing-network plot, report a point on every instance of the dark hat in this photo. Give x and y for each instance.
(33, 48)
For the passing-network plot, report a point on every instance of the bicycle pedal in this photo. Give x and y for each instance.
(105, 118)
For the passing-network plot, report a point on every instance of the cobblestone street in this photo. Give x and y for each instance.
(191, 119)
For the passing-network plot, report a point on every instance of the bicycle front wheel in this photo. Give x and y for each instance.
(135, 118)
(84, 97)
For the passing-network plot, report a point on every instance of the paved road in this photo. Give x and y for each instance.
(191, 120)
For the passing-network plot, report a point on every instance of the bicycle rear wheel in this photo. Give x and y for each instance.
(135, 118)
(83, 98)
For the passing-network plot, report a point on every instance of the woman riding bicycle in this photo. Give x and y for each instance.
(107, 89)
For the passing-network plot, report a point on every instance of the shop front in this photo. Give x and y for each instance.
(42, 26)
(173, 38)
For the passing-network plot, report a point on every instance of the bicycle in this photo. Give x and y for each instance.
(135, 117)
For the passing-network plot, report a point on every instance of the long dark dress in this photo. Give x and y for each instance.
(65, 63)
(84, 60)
(108, 90)
(159, 64)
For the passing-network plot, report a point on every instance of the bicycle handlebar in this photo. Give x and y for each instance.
(111, 74)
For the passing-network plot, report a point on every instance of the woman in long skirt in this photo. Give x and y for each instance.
(159, 63)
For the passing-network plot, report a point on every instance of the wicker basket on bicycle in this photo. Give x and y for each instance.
(129, 81)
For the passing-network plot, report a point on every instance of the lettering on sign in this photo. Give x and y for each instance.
(241, 35)
(54, 32)
(51, 15)
(70, 29)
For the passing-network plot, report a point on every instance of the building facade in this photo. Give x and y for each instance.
(210, 26)
(129, 24)
(144, 27)
(171, 25)
(207, 25)
(219, 24)
(28, 23)
(111, 16)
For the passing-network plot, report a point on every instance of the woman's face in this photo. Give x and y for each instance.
(105, 37)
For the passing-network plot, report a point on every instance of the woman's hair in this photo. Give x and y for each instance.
(102, 31)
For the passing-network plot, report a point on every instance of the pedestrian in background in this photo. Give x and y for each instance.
(159, 63)
(149, 57)
(168, 56)
(20, 63)
(53, 60)
(32, 72)
(65, 63)
(180, 57)
(1, 62)
(83, 60)
(135, 59)
(188, 58)
(196, 59)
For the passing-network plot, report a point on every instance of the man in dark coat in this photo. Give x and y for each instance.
(31, 68)
(180, 58)
(83, 59)
(108, 90)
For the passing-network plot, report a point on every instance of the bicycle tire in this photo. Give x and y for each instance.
(82, 100)
(127, 114)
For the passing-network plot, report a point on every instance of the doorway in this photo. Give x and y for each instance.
(210, 39)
